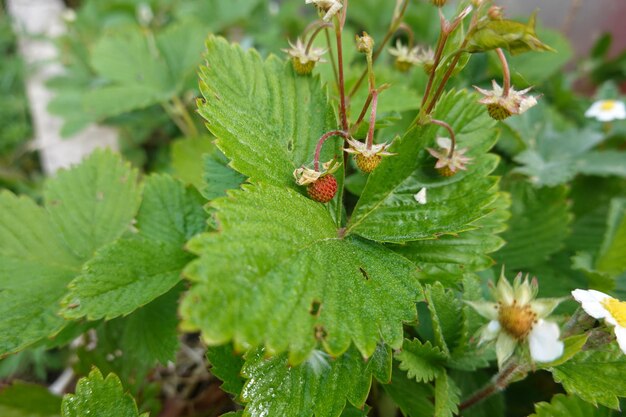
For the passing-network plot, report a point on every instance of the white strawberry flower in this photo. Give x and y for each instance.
(518, 318)
(602, 306)
(607, 110)
(328, 7)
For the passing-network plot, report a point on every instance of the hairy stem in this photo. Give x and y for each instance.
(332, 56)
(499, 383)
(182, 110)
(314, 35)
(506, 74)
(320, 142)
(441, 43)
(370, 132)
(450, 130)
(342, 87)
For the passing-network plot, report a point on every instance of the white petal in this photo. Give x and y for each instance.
(420, 197)
(620, 333)
(591, 301)
(445, 143)
(505, 346)
(594, 109)
(490, 331)
(504, 291)
(544, 342)
(484, 308)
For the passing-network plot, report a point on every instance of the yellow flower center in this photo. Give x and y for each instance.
(516, 320)
(617, 309)
(607, 105)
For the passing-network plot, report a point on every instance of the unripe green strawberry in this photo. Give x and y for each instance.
(498, 112)
(324, 189)
(367, 163)
(445, 171)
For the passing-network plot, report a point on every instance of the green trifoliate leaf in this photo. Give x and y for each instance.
(538, 227)
(413, 398)
(421, 361)
(513, 36)
(93, 203)
(595, 376)
(569, 406)
(218, 176)
(28, 400)
(457, 255)
(447, 396)
(275, 244)
(149, 334)
(388, 209)
(602, 268)
(133, 271)
(226, 365)
(557, 157)
(99, 397)
(187, 159)
(448, 318)
(318, 387)
(267, 119)
(42, 249)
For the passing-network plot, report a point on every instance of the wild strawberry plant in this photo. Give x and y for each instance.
(338, 253)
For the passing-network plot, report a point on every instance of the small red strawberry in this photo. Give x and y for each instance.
(324, 189)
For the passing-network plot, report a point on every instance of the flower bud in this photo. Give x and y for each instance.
(495, 13)
(364, 43)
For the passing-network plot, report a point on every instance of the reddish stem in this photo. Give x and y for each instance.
(342, 86)
(370, 132)
(506, 74)
(320, 142)
(450, 130)
(500, 382)
(314, 35)
(363, 111)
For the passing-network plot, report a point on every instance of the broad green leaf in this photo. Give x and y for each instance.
(226, 365)
(447, 396)
(42, 249)
(28, 400)
(413, 398)
(538, 227)
(318, 387)
(455, 255)
(422, 361)
(611, 257)
(595, 376)
(150, 334)
(99, 397)
(35, 267)
(275, 244)
(218, 176)
(187, 159)
(93, 203)
(556, 157)
(602, 268)
(133, 271)
(267, 119)
(388, 211)
(569, 406)
(448, 318)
